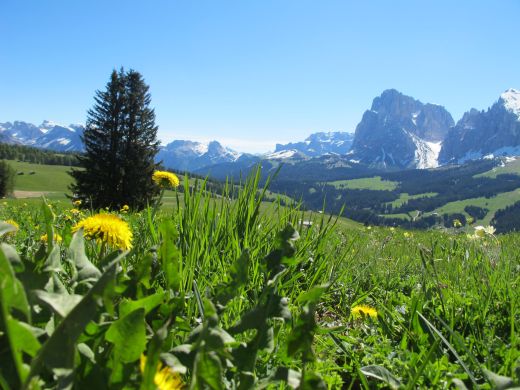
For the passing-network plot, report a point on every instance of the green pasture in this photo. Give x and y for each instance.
(224, 292)
(367, 183)
(494, 203)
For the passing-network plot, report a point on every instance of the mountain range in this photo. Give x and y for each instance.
(397, 132)
(48, 135)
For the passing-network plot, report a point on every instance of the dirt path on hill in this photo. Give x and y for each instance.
(29, 194)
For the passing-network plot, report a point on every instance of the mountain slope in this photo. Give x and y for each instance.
(191, 156)
(48, 135)
(480, 133)
(400, 132)
(319, 144)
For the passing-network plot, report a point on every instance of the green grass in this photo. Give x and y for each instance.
(493, 204)
(47, 178)
(367, 183)
(405, 197)
(448, 305)
(509, 167)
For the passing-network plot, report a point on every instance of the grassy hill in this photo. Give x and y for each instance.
(34, 180)
(229, 295)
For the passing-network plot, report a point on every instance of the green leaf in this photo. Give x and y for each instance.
(282, 374)
(207, 372)
(128, 334)
(23, 337)
(382, 374)
(170, 255)
(237, 278)
(302, 334)
(6, 228)
(85, 350)
(313, 295)
(148, 303)
(13, 258)
(49, 222)
(499, 382)
(53, 261)
(12, 294)
(58, 351)
(59, 302)
(86, 270)
(312, 381)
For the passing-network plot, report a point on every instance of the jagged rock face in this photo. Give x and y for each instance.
(480, 133)
(191, 156)
(319, 144)
(400, 132)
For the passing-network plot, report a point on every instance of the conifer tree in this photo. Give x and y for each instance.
(6, 179)
(120, 142)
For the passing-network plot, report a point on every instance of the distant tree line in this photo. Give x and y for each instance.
(373, 206)
(36, 155)
(507, 219)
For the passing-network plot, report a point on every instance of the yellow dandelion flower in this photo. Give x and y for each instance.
(165, 378)
(12, 223)
(106, 228)
(57, 238)
(457, 223)
(75, 211)
(165, 179)
(77, 203)
(360, 310)
(407, 234)
(125, 208)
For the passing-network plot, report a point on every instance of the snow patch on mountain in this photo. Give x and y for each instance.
(511, 101)
(281, 154)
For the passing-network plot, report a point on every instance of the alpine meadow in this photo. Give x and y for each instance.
(203, 223)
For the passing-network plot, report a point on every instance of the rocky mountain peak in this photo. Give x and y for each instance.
(495, 132)
(510, 99)
(401, 132)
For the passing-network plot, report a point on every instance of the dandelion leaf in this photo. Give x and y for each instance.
(128, 334)
(58, 351)
(86, 270)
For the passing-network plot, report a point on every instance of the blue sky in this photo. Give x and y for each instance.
(253, 73)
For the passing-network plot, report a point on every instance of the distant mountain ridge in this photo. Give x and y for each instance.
(397, 132)
(495, 132)
(48, 135)
(319, 144)
(191, 155)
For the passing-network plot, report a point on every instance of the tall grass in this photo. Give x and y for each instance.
(236, 295)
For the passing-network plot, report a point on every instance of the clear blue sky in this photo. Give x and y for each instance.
(252, 73)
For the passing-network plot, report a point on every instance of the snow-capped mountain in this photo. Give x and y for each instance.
(400, 132)
(190, 155)
(48, 135)
(317, 144)
(495, 132)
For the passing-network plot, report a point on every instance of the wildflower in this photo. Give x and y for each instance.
(407, 234)
(481, 231)
(75, 211)
(106, 228)
(12, 223)
(361, 310)
(57, 238)
(392, 228)
(165, 378)
(125, 208)
(77, 202)
(165, 179)
(457, 223)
